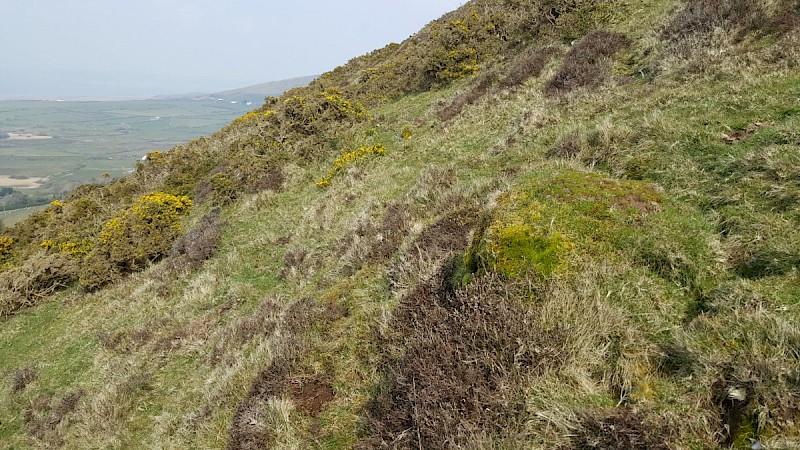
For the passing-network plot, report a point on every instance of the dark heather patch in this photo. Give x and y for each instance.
(586, 65)
(275, 381)
(622, 429)
(453, 364)
(529, 65)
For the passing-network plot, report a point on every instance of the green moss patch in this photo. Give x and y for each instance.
(554, 217)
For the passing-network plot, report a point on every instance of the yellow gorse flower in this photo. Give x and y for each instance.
(348, 158)
(6, 243)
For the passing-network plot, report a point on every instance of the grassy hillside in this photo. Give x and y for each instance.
(545, 224)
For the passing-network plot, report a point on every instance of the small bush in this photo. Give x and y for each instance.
(530, 64)
(39, 276)
(200, 243)
(586, 65)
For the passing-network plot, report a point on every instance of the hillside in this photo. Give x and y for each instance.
(534, 224)
(270, 88)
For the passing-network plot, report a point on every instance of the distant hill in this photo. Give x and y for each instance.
(255, 92)
(270, 88)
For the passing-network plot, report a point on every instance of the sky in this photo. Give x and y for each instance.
(138, 48)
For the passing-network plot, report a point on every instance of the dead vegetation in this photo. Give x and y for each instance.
(192, 249)
(587, 63)
(43, 417)
(253, 426)
(620, 429)
(453, 363)
(22, 378)
(38, 277)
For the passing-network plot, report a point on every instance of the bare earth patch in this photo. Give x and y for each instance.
(20, 182)
(26, 137)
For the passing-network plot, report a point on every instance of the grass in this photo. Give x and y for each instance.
(668, 320)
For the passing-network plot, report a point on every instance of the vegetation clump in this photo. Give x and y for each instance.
(550, 220)
(6, 247)
(454, 363)
(135, 237)
(349, 158)
(586, 65)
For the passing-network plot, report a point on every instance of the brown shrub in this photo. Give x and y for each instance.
(461, 101)
(200, 244)
(741, 16)
(530, 64)
(453, 363)
(38, 277)
(586, 65)
(623, 429)
(272, 180)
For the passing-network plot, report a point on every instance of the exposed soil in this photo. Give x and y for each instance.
(311, 393)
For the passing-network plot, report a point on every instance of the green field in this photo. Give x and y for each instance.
(93, 138)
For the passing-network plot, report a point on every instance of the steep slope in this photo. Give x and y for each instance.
(550, 224)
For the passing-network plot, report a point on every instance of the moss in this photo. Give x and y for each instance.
(554, 217)
(515, 248)
(541, 222)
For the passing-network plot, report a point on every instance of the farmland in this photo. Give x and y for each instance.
(52, 146)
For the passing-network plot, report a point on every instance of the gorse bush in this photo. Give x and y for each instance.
(6, 245)
(135, 237)
(146, 229)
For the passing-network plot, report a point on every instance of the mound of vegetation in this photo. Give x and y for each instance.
(533, 224)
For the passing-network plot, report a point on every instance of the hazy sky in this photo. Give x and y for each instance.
(73, 48)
